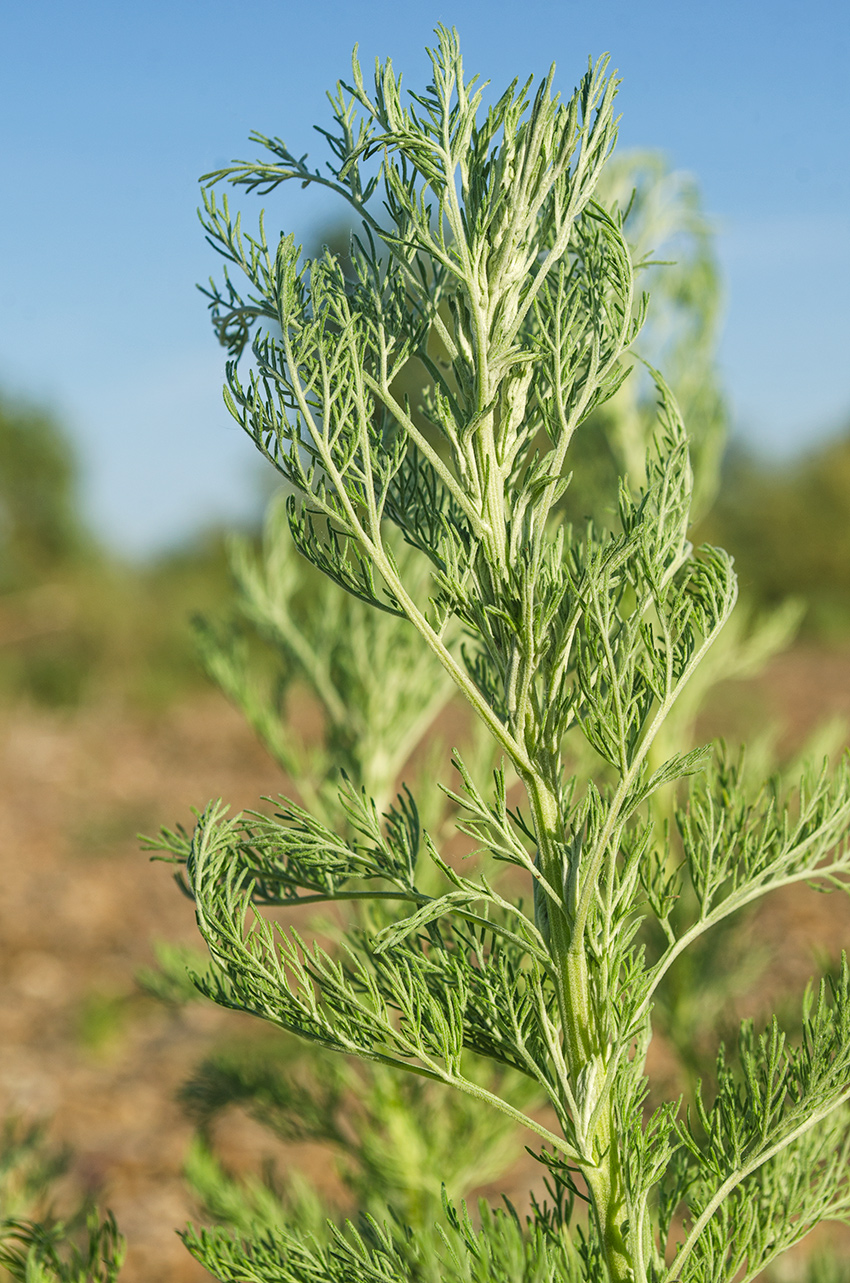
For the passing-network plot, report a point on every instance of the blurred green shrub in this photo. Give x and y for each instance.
(83, 1249)
(41, 528)
(76, 623)
(788, 528)
(671, 240)
(78, 1249)
(29, 1168)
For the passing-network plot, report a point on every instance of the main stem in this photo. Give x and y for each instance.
(584, 1044)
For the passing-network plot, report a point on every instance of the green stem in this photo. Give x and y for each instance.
(583, 1043)
(605, 1183)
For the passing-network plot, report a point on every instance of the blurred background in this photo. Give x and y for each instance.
(120, 472)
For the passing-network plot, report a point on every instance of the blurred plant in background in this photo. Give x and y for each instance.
(29, 1169)
(788, 527)
(41, 529)
(378, 689)
(672, 246)
(44, 548)
(77, 624)
(35, 1245)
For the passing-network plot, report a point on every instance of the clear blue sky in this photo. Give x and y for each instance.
(109, 112)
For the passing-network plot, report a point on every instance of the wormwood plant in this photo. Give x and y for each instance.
(377, 687)
(78, 1249)
(395, 1138)
(485, 258)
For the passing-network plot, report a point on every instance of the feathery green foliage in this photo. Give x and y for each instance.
(78, 1249)
(376, 684)
(82, 1250)
(486, 259)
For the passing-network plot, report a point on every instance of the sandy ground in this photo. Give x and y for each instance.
(79, 907)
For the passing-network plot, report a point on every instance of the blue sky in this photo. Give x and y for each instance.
(110, 112)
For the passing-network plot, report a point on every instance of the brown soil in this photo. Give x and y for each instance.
(79, 907)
